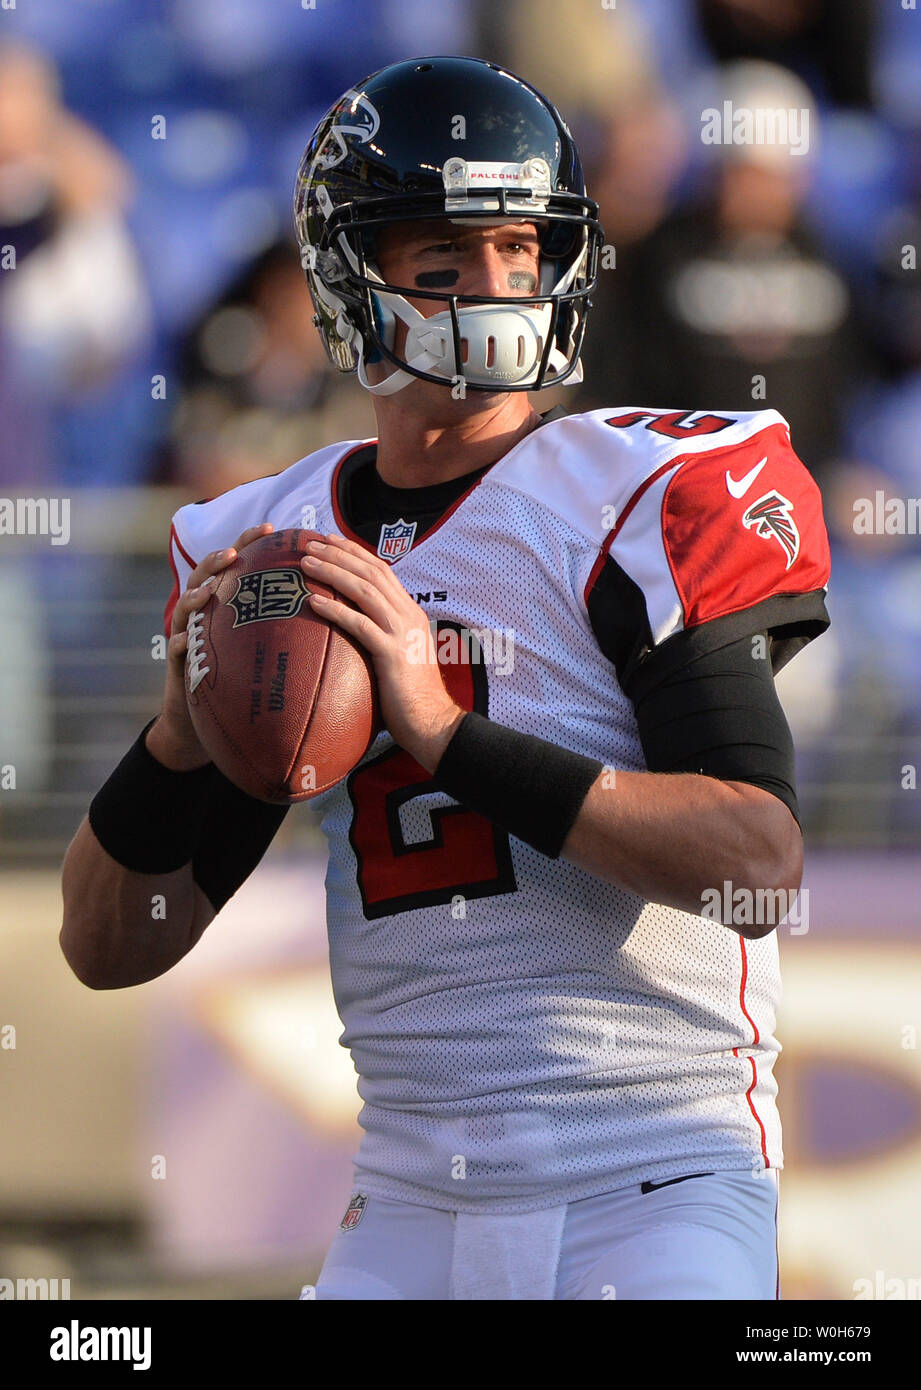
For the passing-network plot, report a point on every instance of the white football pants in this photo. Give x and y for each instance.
(712, 1236)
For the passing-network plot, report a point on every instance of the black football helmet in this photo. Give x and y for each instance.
(463, 139)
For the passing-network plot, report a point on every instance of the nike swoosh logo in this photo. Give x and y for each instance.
(669, 1182)
(739, 489)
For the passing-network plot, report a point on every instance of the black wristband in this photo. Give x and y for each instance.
(231, 844)
(147, 817)
(531, 788)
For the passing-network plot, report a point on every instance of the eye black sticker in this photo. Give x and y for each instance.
(436, 279)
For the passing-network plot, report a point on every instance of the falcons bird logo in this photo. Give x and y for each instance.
(355, 115)
(772, 515)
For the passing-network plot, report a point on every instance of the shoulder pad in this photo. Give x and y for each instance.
(587, 468)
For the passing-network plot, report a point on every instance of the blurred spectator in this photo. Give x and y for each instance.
(605, 81)
(880, 569)
(604, 60)
(829, 42)
(640, 153)
(892, 308)
(731, 304)
(73, 313)
(73, 309)
(884, 415)
(257, 390)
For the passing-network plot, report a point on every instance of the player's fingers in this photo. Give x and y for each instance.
(360, 588)
(357, 557)
(189, 602)
(356, 624)
(218, 560)
(211, 564)
(252, 533)
(350, 547)
(178, 645)
(353, 558)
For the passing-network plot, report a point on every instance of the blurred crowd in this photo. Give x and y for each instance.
(157, 327)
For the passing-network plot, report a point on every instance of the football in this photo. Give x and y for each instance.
(283, 702)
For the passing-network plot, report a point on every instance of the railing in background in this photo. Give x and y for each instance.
(83, 669)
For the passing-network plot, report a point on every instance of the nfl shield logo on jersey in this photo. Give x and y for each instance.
(396, 539)
(353, 1212)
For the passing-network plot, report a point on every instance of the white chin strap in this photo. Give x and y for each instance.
(501, 345)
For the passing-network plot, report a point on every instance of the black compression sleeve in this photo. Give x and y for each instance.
(237, 831)
(720, 716)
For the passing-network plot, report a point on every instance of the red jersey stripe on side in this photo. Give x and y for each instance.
(181, 548)
(751, 1106)
(170, 608)
(756, 1037)
(174, 596)
(598, 566)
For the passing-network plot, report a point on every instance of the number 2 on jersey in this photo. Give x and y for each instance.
(674, 424)
(465, 855)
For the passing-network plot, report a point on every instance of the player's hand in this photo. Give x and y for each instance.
(172, 739)
(395, 632)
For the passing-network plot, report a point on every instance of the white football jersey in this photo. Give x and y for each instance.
(525, 1034)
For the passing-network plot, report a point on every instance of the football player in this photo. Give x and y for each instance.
(565, 1056)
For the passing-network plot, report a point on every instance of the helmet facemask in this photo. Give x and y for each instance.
(459, 139)
(488, 343)
(508, 343)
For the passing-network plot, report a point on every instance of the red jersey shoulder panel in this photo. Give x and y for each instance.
(741, 524)
(712, 523)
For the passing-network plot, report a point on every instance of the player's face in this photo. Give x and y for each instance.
(498, 261)
(489, 261)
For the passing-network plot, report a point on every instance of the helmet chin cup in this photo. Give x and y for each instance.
(500, 344)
